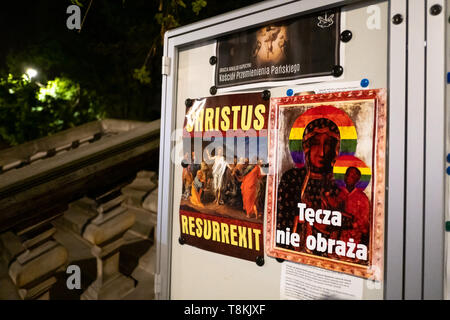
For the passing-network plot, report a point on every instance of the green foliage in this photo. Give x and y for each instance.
(76, 2)
(180, 3)
(29, 111)
(170, 13)
(167, 21)
(167, 17)
(142, 75)
(197, 6)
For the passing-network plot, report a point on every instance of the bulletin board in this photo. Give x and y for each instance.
(368, 58)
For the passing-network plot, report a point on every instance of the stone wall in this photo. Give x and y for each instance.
(91, 206)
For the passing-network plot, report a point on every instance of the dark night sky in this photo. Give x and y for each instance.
(26, 24)
(114, 40)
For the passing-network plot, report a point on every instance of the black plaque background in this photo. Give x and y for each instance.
(316, 49)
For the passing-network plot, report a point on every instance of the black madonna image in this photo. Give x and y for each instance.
(326, 183)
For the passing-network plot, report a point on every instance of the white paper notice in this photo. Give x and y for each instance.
(302, 282)
(328, 87)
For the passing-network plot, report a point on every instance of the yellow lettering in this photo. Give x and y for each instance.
(259, 110)
(184, 224)
(216, 231)
(191, 226)
(209, 116)
(242, 236)
(217, 118)
(250, 240)
(225, 123)
(246, 117)
(198, 223)
(257, 232)
(207, 231)
(235, 116)
(225, 238)
(199, 121)
(233, 235)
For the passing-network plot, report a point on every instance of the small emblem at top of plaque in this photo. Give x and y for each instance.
(326, 21)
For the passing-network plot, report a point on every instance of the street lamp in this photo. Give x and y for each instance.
(31, 73)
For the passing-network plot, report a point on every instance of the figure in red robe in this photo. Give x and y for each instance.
(249, 188)
(357, 205)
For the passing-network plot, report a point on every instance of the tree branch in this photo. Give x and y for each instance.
(84, 18)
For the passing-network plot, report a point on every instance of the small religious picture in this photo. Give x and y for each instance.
(326, 182)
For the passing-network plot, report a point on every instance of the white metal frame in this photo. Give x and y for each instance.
(393, 281)
(434, 196)
(400, 227)
(415, 115)
(447, 191)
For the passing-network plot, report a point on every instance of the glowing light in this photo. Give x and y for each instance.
(31, 73)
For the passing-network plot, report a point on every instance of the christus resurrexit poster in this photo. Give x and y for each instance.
(306, 46)
(326, 183)
(224, 175)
